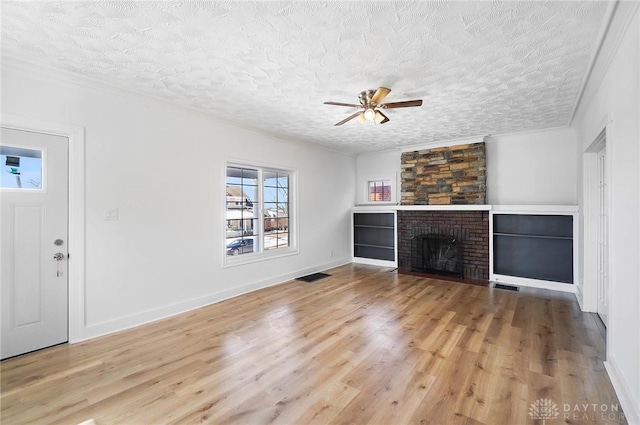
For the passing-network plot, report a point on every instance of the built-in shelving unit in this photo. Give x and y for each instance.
(529, 245)
(534, 246)
(374, 238)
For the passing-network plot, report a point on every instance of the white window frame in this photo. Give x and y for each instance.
(377, 178)
(262, 254)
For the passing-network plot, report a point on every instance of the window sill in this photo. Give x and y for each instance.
(232, 261)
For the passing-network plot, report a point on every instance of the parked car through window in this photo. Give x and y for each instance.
(240, 246)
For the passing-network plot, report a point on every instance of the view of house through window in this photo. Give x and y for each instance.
(276, 209)
(257, 210)
(242, 195)
(380, 191)
(21, 168)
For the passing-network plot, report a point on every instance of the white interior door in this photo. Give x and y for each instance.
(34, 220)
(603, 238)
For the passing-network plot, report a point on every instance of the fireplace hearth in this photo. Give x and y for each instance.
(436, 254)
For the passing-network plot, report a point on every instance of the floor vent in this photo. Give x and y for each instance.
(313, 277)
(506, 287)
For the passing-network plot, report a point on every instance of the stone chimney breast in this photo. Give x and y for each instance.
(453, 175)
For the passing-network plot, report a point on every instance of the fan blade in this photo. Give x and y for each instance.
(349, 118)
(380, 118)
(352, 105)
(405, 104)
(380, 94)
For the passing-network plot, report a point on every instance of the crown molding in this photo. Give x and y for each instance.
(495, 138)
(78, 80)
(443, 144)
(621, 14)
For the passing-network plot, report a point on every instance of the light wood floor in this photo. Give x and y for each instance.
(365, 346)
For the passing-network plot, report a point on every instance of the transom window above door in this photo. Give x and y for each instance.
(21, 168)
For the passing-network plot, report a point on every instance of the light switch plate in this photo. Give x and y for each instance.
(111, 214)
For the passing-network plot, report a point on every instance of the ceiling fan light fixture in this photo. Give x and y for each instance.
(369, 114)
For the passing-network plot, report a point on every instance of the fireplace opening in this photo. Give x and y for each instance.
(436, 254)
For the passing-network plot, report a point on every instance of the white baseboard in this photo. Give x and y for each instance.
(580, 297)
(138, 319)
(532, 283)
(628, 403)
(373, 262)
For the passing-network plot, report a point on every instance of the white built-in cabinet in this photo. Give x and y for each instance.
(534, 246)
(374, 237)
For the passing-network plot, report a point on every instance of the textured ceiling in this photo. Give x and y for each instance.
(480, 67)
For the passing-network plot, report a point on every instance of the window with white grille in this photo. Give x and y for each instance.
(379, 190)
(259, 214)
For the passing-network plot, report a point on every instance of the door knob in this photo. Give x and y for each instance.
(58, 256)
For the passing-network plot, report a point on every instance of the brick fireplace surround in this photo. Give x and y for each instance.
(471, 228)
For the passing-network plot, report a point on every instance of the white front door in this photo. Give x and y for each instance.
(603, 238)
(34, 220)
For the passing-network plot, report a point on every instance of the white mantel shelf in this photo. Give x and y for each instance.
(443, 207)
(515, 209)
(391, 207)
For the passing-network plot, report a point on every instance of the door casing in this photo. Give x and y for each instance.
(76, 247)
(590, 216)
(602, 307)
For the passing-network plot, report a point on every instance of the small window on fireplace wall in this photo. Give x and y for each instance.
(379, 190)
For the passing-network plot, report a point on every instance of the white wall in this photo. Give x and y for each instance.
(616, 95)
(162, 166)
(533, 168)
(376, 166)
